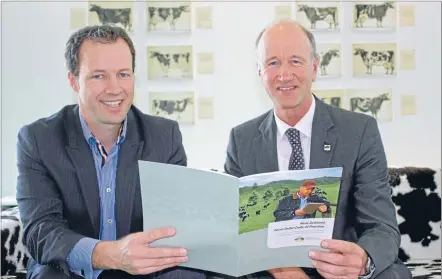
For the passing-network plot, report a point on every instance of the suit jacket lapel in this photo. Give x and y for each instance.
(264, 146)
(324, 137)
(127, 176)
(83, 162)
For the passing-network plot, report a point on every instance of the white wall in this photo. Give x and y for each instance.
(34, 79)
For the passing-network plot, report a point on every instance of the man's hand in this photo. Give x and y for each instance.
(133, 254)
(288, 273)
(300, 212)
(323, 208)
(344, 260)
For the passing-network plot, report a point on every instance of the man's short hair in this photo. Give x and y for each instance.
(309, 35)
(309, 183)
(97, 33)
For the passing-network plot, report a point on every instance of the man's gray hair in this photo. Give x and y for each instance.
(97, 33)
(309, 35)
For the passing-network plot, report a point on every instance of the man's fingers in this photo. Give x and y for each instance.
(152, 265)
(156, 234)
(339, 246)
(329, 275)
(145, 252)
(329, 257)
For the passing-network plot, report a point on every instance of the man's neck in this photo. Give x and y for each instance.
(294, 115)
(106, 134)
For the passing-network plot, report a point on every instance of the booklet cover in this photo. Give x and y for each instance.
(237, 226)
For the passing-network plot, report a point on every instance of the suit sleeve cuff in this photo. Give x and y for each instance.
(80, 258)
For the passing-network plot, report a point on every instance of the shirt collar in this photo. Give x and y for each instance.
(88, 134)
(304, 126)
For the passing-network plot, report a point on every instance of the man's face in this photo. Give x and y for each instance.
(287, 69)
(105, 84)
(306, 191)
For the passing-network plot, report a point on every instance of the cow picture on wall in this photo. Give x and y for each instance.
(111, 12)
(377, 15)
(168, 16)
(374, 102)
(175, 105)
(374, 59)
(334, 97)
(169, 62)
(329, 60)
(317, 15)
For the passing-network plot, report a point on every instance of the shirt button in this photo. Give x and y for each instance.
(108, 190)
(109, 221)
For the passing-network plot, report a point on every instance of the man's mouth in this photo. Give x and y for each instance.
(112, 104)
(285, 88)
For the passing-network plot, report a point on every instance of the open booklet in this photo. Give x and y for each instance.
(237, 226)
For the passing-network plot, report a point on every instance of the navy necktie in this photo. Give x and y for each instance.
(297, 157)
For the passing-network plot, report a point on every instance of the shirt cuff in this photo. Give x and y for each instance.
(80, 258)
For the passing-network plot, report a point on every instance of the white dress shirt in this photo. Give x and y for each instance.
(304, 126)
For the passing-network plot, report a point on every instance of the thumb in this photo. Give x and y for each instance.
(153, 235)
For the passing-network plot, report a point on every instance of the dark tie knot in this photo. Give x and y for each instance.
(293, 136)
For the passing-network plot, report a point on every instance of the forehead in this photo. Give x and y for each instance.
(284, 42)
(109, 54)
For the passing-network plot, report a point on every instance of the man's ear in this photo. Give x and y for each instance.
(315, 67)
(73, 82)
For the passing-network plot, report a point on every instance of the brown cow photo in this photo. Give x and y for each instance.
(112, 13)
(168, 16)
(169, 62)
(318, 15)
(374, 59)
(373, 102)
(176, 105)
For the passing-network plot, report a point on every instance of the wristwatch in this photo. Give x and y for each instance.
(369, 267)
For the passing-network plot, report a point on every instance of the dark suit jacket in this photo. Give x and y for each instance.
(366, 213)
(57, 189)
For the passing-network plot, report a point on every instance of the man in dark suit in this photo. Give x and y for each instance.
(303, 132)
(78, 186)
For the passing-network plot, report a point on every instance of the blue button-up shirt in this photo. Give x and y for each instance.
(80, 257)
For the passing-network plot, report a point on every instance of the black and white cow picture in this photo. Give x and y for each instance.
(376, 58)
(325, 14)
(326, 58)
(113, 16)
(334, 101)
(171, 108)
(370, 105)
(169, 15)
(173, 60)
(377, 12)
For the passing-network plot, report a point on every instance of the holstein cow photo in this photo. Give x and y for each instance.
(172, 109)
(370, 105)
(325, 59)
(174, 60)
(378, 58)
(325, 14)
(169, 15)
(114, 16)
(371, 11)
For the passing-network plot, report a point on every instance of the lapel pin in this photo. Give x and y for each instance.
(327, 147)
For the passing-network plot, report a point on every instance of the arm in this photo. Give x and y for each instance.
(283, 211)
(376, 222)
(231, 165)
(178, 156)
(46, 234)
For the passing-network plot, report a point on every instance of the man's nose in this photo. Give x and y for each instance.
(113, 85)
(285, 74)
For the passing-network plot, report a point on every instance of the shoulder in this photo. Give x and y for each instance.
(51, 125)
(252, 126)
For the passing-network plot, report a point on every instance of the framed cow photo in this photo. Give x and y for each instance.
(318, 15)
(175, 105)
(374, 59)
(329, 60)
(118, 13)
(169, 62)
(374, 102)
(164, 16)
(374, 15)
(334, 97)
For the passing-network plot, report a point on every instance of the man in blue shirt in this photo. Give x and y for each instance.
(78, 186)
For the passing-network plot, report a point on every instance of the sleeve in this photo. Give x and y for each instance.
(178, 156)
(231, 165)
(80, 258)
(45, 233)
(376, 222)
